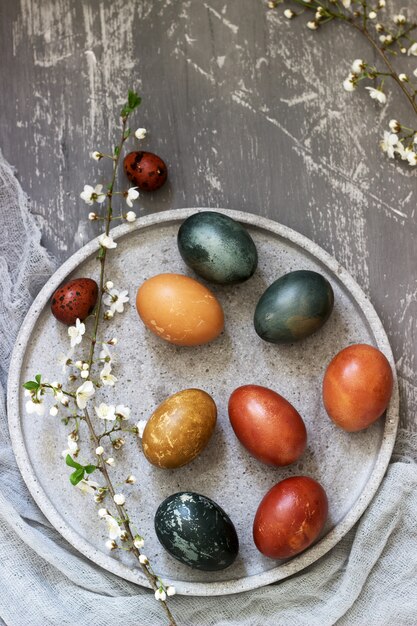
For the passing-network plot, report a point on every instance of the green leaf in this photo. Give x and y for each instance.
(30, 385)
(38, 378)
(133, 100)
(116, 150)
(90, 468)
(127, 133)
(101, 253)
(125, 111)
(70, 461)
(77, 476)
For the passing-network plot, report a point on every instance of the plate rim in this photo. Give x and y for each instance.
(133, 574)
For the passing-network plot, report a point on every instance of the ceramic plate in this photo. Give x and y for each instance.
(349, 466)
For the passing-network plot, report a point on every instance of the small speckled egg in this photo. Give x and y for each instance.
(179, 309)
(196, 531)
(294, 307)
(75, 299)
(217, 248)
(145, 170)
(179, 429)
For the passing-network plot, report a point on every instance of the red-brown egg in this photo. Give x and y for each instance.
(179, 309)
(267, 425)
(290, 517)
(357, 387)
(145, 170)
(75, 299)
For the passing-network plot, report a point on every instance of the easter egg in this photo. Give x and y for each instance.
(290, 517)
(217, 248)
(75, 299)
(179, 309)
(196, 531)
(357, 387)
(179, 428)
(145, 170)
(267, 425)
(294, 307)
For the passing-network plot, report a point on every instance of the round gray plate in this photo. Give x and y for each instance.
(349, 466)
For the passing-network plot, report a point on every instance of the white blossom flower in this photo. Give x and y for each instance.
(372, 15)
(96, 155)
(381, 4)
(119, 499)
(105, 411)
(53, 410)
(64, 360)
(350, 83)
(105, 354)
(87, 486)
(106, 241)
(140, 133)
(312, 25)
(141, 427)
(85, 374)
(110, 461)
(93, 194)
(171, 591)
(412, 49)
(76, 333)
(123, 411)
(99, 450)
(102, 512)
(346, 3)
(110, 544)
(415, 72)
(399, 19)
(394, 126)
(108, 315)
(160, 594)
(131, 480)
(143, 559)
(289, 14)
(401, 151)
(377, 94)
(63, 399)
(138, 542)
(84, 393)
(116, 300)
(388, 143)
(379, 28)
(412, 158)
(72, 445)
(130, 216)
(403, 78)
(106, 377)
(131, 194)
(113, 528)
(112, 341)
(358, 66)
(35, 407)
(92, 216)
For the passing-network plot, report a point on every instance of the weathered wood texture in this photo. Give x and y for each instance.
(249, 113)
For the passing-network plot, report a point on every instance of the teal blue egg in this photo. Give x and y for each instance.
(217, 248)
(294, 307)
(196, 531)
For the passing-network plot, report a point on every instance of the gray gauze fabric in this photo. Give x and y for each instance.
(369, 578)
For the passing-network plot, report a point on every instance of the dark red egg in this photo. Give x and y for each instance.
(75, 299)
(145, 170)
(290, 517)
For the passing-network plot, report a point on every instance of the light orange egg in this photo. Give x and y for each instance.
(179, 309)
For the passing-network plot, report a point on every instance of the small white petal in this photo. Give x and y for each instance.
(102, 512)
(130, 216)
(143, 559)
(140, 133)
(171, 591)
(141, 427)
(53, 411)
(99, 450)
(160, 595)
(119, 499)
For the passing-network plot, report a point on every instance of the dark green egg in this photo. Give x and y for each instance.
(196, 531)
(294, 307)
(217, 248)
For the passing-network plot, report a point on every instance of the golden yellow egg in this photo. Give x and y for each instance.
(179, 429)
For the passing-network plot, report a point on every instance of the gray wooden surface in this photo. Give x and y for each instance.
(246, 108)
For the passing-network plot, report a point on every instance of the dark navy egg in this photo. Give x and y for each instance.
(217, 248)
(294, 307)
(196, 531)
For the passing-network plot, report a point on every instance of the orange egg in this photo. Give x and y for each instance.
(179, 309)
(357, 387)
